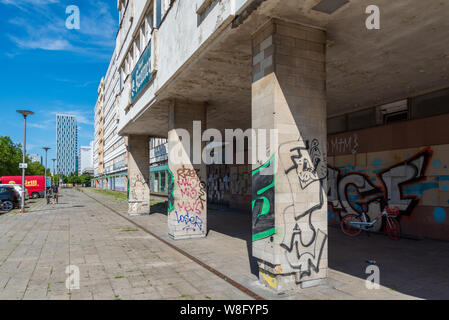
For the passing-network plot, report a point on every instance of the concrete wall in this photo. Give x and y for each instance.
(180, 38)
(403, 162)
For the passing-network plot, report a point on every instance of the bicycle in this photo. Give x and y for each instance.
(353, 224)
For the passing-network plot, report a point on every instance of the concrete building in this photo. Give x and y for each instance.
(35, 158)
(159, 174)
(85, 159)
(66, 144)
(99, 133)
(359, 108)
(111, 163)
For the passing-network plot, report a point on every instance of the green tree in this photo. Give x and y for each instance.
(85, 179)
(10, 157)
(36, 169)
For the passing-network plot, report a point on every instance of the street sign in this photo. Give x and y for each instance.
(23, 165)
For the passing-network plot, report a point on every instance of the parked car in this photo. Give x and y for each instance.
(9, 198)
(18, 188)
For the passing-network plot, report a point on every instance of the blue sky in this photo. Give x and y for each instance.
(50, 69)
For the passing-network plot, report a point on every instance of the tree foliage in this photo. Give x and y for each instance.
(11, 156)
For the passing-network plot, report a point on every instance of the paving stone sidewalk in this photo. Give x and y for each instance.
(116, 260)
(228, 248)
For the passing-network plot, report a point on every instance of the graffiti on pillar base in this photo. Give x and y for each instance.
(137, 191)
(306, 173)
(190, 199)
(263, 201)
(189, 222)
(396, 186)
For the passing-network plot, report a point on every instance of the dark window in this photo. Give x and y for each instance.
(396, 117)
(431, 104)
(336, 125)
(361, 119)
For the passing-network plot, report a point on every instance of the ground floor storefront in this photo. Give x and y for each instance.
(114, 182)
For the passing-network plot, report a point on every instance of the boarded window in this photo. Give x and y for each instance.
(361, 119)
(336, 125)
(431, 104)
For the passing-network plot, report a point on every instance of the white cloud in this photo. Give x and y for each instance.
(41, 25)
(44, 44)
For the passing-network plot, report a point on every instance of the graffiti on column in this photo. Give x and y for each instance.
(306, 172)
(137, 191)
(192, 199)
(396, 186)
(171, 190)
(263, 201)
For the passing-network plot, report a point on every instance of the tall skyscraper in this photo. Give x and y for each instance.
(66, 144)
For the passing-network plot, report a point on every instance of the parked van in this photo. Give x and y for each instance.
(35, 185)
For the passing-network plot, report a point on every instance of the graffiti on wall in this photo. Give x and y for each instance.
(191, 200)
(263, 201)
(396, 186)
(306, 172)
(345, 144)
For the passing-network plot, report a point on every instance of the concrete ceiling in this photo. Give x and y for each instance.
(408, 56)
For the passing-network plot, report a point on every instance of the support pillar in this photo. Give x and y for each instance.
(139, 175)
(289, 185)
(187, 208)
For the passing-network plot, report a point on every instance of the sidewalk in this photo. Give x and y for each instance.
(227, 249)
(116, 260)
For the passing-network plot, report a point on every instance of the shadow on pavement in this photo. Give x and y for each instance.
(236, 224)
(413, 267)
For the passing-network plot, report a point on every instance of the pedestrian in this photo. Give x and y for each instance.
(48, 194)
(55, 193)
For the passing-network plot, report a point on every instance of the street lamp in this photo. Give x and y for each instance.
(54, 173)
(25, 114)
(46, 151)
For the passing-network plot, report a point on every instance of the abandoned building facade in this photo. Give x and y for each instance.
(359, 112)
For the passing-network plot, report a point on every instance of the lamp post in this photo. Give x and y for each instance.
(45, 175)
(54, 173)
(25, 114)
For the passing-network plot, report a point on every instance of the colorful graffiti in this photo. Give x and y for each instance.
(397, 186)
(263, 201)
(190, 223)
(306, 172)
(171, 191)
(190, 199)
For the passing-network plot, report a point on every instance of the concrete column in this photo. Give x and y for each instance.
(187, 208)
(289, 198)
(139, 175)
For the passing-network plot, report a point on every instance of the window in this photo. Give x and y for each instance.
(395, 117)
(429, 105)
(361, 119)
(336, 125)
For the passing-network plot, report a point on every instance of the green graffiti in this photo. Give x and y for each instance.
(171, 191)
(263, 201)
